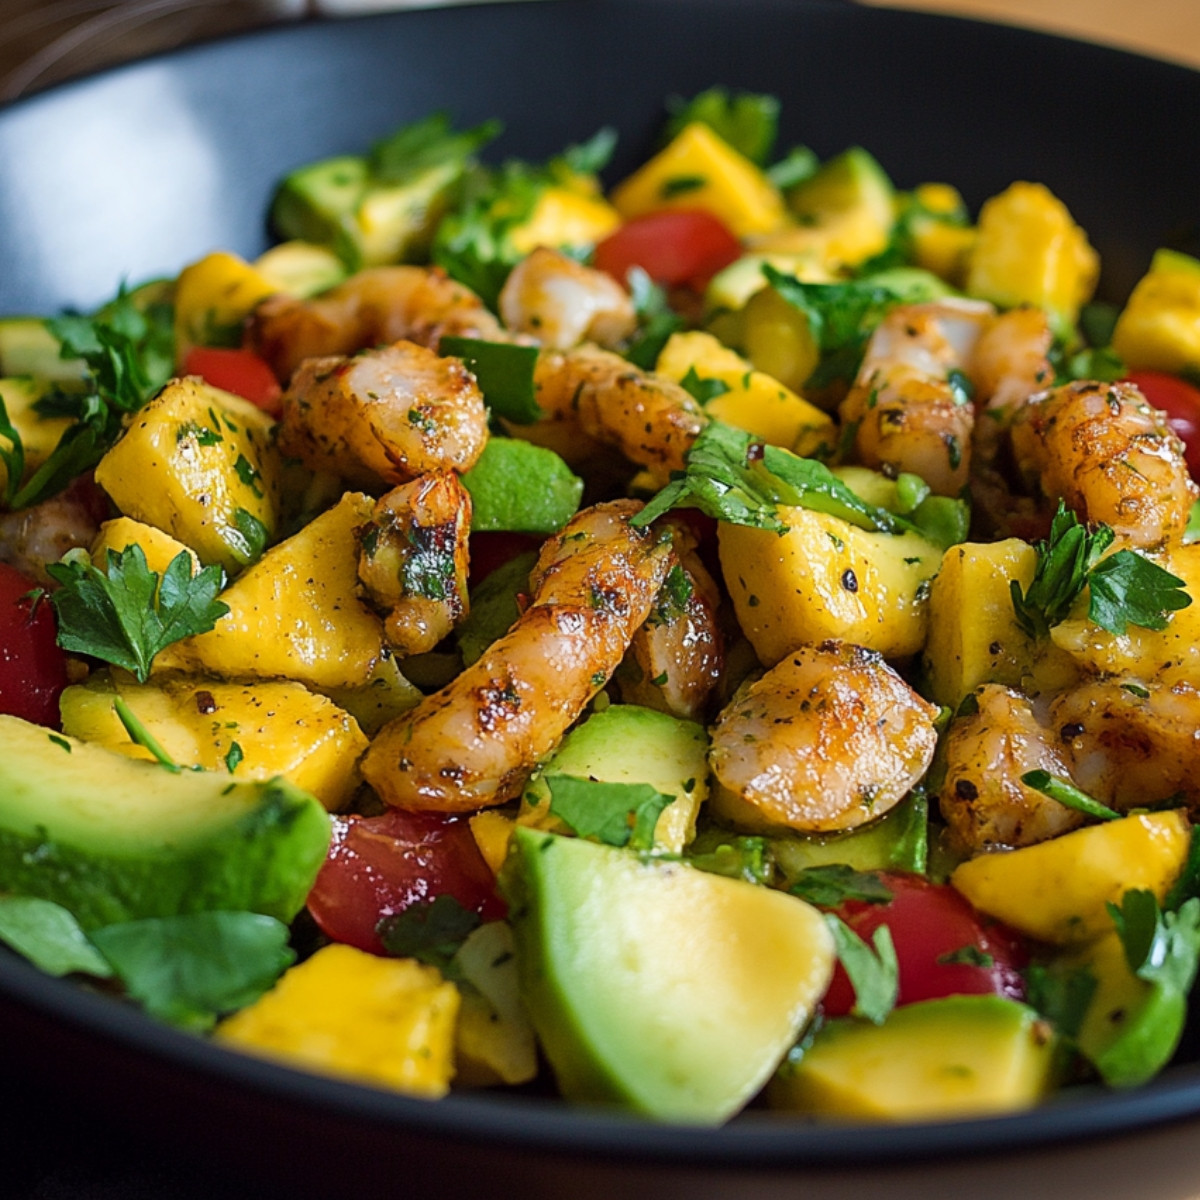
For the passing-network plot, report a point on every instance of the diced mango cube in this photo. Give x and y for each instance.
(1159, 327)
(200, 464)
(254, 731)
(698, 169)
(213, 296)
(387, 1022)
(1030, 251)
(296, 613)
(825, 578)
(1059, 891)
(160, 549)
(750, 399)
(564, 217)
(39, 435)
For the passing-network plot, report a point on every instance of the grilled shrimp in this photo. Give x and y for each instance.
(651, 420)
(413, 560)
(385, 415)
(676, 658)
(983, 801)
(1130, 744)
(31, 538)
(476, 742)
(1110, 456)
(906, 412)
(827, 740)
(372, 308)
(561, 303)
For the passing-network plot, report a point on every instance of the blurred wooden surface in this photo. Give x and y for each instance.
(1167, 29)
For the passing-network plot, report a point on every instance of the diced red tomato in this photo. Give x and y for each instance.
(33, 669)
(676, 247)
(1180, 400)
(489, 550)
(943, 946)
(379, 866)
(239, 371)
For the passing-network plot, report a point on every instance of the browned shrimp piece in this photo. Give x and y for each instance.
(413, 560)
(30, 538)
(1110, 456)
(983, 801)
(372, 308)
(386, 415)
(561, 303)
(651, 420)
(1131, 744)
(828, 739)
(677, 657)
(477, 741)
(904, 408)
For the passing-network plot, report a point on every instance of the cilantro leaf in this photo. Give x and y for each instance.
(504, 373)
(13, 457)
(873, 970)
(748, 121)
(700, 389)
(49, 936)
(1065, 792)
(831, 884)
(730, 476)
(1063, 996)
(617, 814)
(656, 319)
(1125, 588)
(127, 613)
(1128, 589)
(190, 969)
(738, 857)
(1160, 947)
(431, 931)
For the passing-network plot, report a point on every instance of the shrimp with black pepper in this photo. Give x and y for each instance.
(828, 740)
(476, 742)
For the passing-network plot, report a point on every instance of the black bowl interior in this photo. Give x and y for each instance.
(130, 174)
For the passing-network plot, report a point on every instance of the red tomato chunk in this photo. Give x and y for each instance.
(33, 670)
(1180, 400)
(678, 247)
(943, 946)
(237, 371)
(379, 866)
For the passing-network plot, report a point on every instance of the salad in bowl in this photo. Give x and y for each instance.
(720, 640)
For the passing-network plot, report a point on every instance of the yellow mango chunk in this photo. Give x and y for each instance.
(39, 435)
(1029, 250)
(492, 831)
(1166, 655)
(1058, 891)
(386, 1022)
(825, 578)
(699, 169)
(213, 296)
(160, 549)
(564, 217)
(254, 731)
(1159, 327)
(199, 463)
(296, 613)
(947, 1059)
(752, 400)
(974, 637)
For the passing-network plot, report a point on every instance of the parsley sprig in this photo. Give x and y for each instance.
(1125, 588)
(129, 354)
(127, 613)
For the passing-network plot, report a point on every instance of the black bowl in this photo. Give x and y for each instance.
(134, 172)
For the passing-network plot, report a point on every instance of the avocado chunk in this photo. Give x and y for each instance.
(518, 487)
(114, 839)
(655, 987)
(959, 1056)
(27, 347)
(626, 743)
(1131, 1026)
